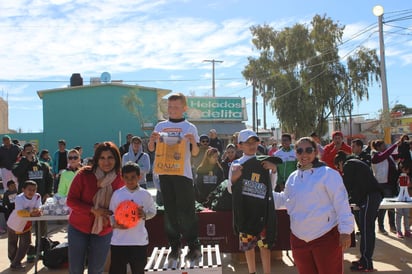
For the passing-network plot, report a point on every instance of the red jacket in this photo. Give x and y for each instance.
(330, 151)
(80, 200)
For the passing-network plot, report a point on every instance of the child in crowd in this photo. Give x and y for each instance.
(403, 213)
(9, 197)
(19, 230)
(129, 245)
(251, 184)
(175, 141)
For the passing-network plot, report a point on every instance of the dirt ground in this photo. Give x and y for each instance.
(392, 255)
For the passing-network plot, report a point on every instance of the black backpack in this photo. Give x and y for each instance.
(57, 257)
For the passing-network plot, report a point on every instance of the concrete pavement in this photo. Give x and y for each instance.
(392, 255)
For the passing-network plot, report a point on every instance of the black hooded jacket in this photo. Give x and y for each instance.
(253, 207)
(359, 180)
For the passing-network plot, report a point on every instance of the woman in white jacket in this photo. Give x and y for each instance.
(320, 217)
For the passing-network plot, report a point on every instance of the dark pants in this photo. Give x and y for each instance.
(18, 245)
(388, 192)
(367, 217)
(179, 204)
(135, 256)
(323, 255)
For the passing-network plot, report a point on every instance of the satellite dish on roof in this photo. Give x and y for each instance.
(105, 77)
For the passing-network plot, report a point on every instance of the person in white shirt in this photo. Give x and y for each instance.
(137, 155)
(129, 244)
(321, 220)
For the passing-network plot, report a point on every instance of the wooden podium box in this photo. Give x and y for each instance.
(216, 227)
(210, 262)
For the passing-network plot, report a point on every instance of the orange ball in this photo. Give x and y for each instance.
(127, 214)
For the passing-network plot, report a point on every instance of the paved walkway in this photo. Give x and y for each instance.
(392, 255)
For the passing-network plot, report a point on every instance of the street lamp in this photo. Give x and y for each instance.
(213, 61)
(378, 11)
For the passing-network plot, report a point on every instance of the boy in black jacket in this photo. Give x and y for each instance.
(251, 181)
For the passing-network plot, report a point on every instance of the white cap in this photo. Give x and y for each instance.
(246, 134)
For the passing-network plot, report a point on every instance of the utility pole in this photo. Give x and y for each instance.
(213, 61)
(378, 11)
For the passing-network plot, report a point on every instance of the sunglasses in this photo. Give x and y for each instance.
(307, 150)
(73, 157)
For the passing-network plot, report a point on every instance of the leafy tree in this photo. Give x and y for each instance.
(133, 104)
(305, 81)
(402, 108)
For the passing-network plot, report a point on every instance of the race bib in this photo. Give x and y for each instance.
(170, 158)
(209, 179)
(253, 189)
(35, 174)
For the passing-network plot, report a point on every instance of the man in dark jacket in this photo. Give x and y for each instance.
(364, 191)
(30, 168)
(214, 141)
(9, 154)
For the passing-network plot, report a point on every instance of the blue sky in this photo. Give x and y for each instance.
(162, 43)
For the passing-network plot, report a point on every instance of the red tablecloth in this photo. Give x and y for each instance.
(215, 227)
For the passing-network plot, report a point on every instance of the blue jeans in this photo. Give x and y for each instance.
(82, 245)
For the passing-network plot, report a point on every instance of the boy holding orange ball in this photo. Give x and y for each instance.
(130, 238)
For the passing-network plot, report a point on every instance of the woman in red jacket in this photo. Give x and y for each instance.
(89, 230)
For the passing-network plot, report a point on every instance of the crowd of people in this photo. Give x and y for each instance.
(316, 184)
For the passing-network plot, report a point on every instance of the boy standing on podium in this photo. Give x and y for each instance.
(174, 142)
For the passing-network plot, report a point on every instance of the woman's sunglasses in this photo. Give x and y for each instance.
(73, 157)
(307, 150)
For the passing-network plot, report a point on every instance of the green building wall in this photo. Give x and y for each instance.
(84, 115)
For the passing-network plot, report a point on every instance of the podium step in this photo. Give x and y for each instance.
(210, 262)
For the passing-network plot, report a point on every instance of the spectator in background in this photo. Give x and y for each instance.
(125, 147)
(136, 155)
(80, 150)
(214, 141)
(404, 151)
(289, 161)
(209, 175)
(228, 157)
(273, 149)
(239, 152)
(9, 154)
(403, 213)
(30, 168)
(385, 171)
(359, 153)
(44, 157)
(9, 197)
(203, 147)
(68, 174)
(262, 150)
(357, 150)
(59, 162)
(316, 138)
(331, 149)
